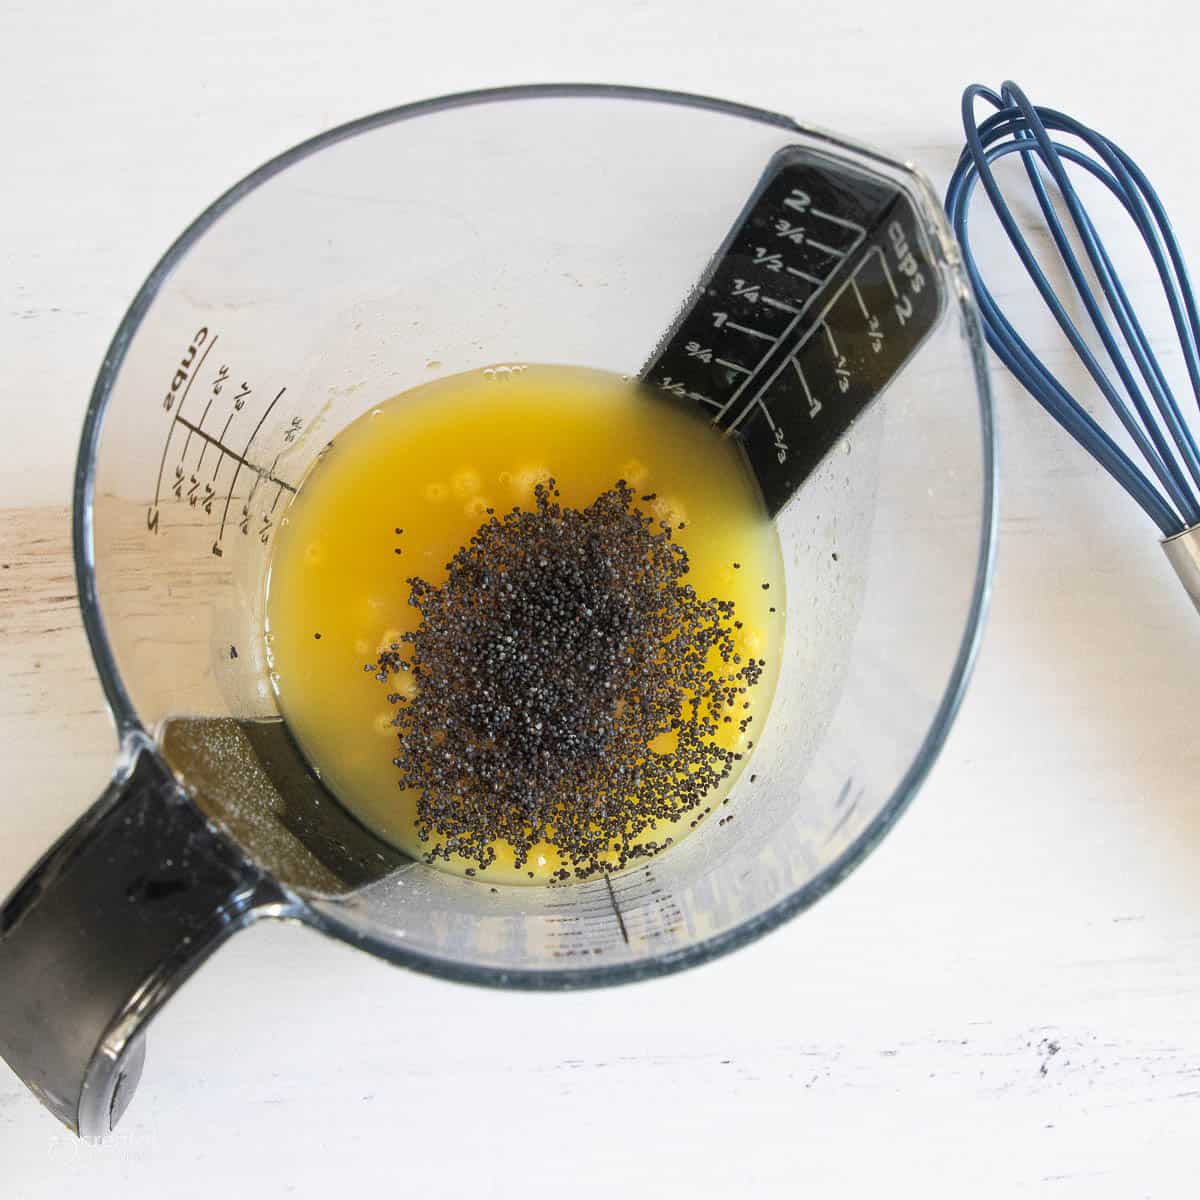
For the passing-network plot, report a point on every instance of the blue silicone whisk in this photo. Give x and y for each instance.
(1127, 372)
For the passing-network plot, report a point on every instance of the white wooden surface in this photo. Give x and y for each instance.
(1004, 1001)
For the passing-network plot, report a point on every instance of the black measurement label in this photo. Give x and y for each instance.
(818, 296)
(215, 416)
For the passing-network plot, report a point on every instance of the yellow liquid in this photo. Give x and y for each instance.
(431, 462)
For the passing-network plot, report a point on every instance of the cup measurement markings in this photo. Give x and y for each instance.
(224, 402)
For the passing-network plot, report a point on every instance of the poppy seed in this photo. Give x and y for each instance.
(562, 644)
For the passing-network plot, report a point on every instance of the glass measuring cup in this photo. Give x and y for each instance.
(544, 224)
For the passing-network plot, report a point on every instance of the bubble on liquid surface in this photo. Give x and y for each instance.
(436, 491)
(503, 372)
(466, 482)
(669, 509)
(527, 478)
(634, 471)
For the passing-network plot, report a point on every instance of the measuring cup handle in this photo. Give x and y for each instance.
(118, 913)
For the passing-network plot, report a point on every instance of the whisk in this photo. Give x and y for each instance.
(1131, 380)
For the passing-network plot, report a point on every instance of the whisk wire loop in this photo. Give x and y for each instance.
(1155, 426)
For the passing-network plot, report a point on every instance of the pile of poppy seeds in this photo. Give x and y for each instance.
(568, 687)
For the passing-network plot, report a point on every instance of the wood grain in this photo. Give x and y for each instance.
(58, 740)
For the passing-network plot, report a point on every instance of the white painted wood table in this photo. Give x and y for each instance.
(1004, 1000)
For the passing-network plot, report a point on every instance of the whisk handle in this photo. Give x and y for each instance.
(1183, 551)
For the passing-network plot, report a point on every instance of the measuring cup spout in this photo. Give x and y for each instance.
(112, 920)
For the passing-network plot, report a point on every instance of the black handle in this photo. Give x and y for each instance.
(118, 913)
